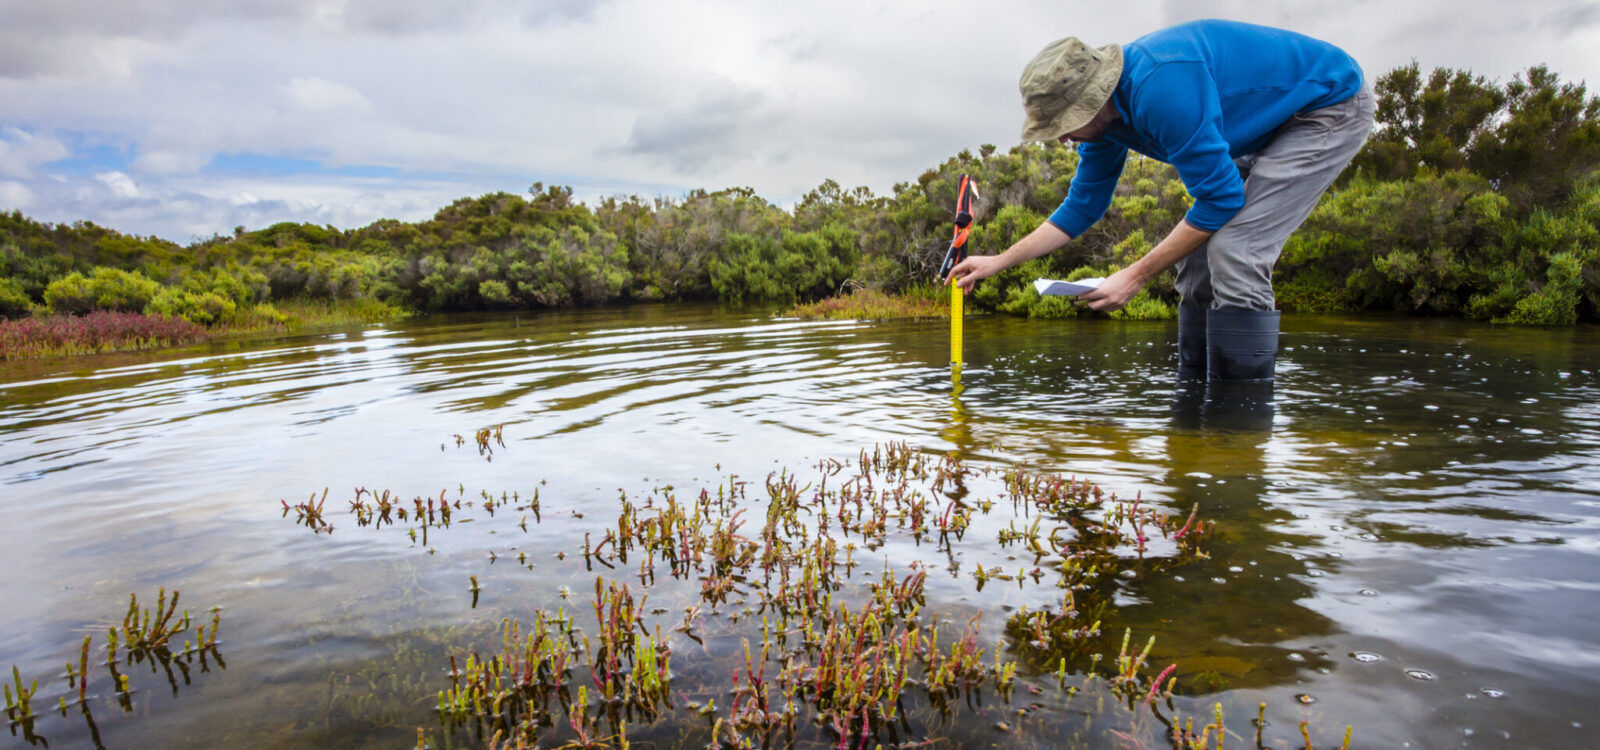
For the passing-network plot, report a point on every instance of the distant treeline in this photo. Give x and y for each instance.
(1471, 199)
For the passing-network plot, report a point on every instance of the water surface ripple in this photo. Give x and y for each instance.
(1420, 497)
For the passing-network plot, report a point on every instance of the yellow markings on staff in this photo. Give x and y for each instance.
(955, 323)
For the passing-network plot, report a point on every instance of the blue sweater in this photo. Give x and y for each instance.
(1196, 96)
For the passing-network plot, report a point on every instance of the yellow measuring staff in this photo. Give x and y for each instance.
(955, 323)
(965, 190)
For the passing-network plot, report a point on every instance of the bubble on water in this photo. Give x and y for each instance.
(1368, 592)
(1219, 579)
(1305, 699)
(1369, 536)
(1430, 407)
(1295, 657)
(1130, 573)
(1314, 573)
(1467, 731)
(1492, 692)
(1179, 579)
(1365, 657)
(1335, 554)
(1235, 569)
(1421, 674)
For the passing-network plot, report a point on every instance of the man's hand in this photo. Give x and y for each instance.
(975, 267)
(1117, 290)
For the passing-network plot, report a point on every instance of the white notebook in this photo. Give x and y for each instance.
(1065, 288)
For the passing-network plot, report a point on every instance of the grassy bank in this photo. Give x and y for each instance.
(870, 304)
(302, 314)
(103, 331)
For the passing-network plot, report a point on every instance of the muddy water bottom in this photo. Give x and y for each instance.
(1407, 529)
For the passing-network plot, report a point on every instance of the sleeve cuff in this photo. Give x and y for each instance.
(1071, 222)
(1209, 217)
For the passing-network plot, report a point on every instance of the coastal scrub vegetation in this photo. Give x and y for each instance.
(1472, 199)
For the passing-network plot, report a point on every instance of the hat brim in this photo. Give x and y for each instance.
(1082, 111)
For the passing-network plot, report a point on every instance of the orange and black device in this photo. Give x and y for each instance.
(958, 243)
(957, 253)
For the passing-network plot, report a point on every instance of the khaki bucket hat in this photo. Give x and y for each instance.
(1065, 85)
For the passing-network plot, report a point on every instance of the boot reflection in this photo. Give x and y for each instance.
(1235, 621)
(1188, 401)
(1237, 406)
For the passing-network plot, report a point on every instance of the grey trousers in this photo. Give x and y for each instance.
(1282, 183)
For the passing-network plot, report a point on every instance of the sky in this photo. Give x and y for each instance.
(186, 118)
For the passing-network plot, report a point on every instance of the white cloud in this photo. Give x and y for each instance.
(15, 196)
(322, 95)
(120, 185)
(192, 206)
(22, 152)
(169, 162)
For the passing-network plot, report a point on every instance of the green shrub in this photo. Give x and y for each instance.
(1555, 303)
(14, 300)
(205, 308)
(30, 271)
(572, 266)
(1041, 306)
(104, 289)
(1146, 306)
(495, 292)
(798, 265)
(265, 313)
(1312, 292)
(1416, 245)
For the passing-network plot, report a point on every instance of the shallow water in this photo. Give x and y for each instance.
(1408, 534)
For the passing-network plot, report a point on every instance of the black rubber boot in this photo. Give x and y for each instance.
(1241, 345)
(1189, 393)
(1191, 342)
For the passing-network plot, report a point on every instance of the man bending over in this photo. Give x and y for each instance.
(1258, 123)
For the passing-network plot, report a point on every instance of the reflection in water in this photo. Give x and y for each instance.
(146, 639)
(957, 432)
(1216, 459)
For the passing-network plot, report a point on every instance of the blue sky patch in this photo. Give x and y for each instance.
(267, 164)
(91, 153)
